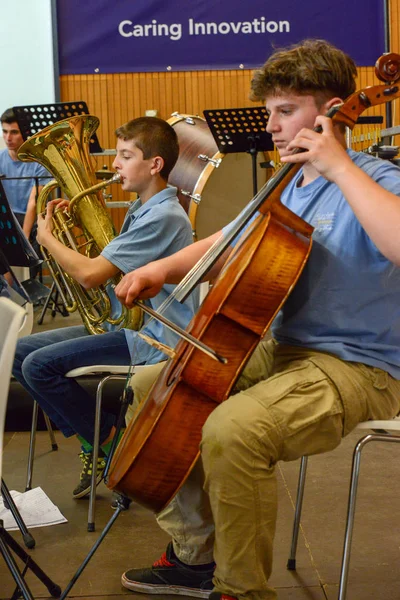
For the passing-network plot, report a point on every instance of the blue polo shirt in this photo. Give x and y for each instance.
(158, 228)
(18, 190)
(347, 299)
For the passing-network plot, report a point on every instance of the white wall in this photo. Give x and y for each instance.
(26, 53)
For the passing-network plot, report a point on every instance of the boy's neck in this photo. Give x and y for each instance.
(154, 188)
(309, 174)
(13, 155)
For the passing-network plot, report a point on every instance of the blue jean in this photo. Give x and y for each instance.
(43, 359)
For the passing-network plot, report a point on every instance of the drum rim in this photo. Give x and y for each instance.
(198, 188)
(182, 117)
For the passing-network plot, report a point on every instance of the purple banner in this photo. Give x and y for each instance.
(99, 36)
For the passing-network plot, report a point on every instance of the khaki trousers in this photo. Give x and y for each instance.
(290, 402)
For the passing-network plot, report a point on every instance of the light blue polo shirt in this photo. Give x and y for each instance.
(151, 231)
(18, 190)
(347, 300)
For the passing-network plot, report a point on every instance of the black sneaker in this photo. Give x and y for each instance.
(221, 596)
(169, 575)
(83, 488)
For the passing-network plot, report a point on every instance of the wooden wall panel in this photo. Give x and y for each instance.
(116, 98)
(395, 25)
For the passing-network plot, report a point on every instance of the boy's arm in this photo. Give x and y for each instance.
(147, 281)
(89, 272)
(30, 216)
(377, 209)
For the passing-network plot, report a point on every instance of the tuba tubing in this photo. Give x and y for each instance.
(63, 149)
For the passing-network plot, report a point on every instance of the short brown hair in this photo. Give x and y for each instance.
(154, 137)
(8, 116)
(313, 67)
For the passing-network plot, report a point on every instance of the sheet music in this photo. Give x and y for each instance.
(36, 509)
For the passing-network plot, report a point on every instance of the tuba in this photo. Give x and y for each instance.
(63, 149)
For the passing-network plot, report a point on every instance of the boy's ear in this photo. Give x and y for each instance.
(332, 102)
(158, 165)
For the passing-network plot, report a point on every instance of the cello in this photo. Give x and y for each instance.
(161, 444)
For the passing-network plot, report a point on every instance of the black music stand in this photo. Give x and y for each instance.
(9, 545)
(241, 130)
(35, 117)
(31, 119)
(16, 250)
(33, 271)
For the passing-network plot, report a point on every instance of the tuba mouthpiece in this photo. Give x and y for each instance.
(116, 178)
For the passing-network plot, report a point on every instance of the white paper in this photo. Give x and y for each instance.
(35, 508)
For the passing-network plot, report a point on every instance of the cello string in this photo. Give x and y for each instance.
(200, 269)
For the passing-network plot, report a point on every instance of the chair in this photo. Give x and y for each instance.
(115, 372)
(109, 373)
(11, 318)
(379, 433)
(22, 273)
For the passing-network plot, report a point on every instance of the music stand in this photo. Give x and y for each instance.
(35, 117)
(241, 130)
(15, 249)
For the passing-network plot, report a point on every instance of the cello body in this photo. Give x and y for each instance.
(161, 444)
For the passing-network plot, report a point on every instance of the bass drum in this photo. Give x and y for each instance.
(212, 187)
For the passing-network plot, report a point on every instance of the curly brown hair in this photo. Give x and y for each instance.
(313, 67)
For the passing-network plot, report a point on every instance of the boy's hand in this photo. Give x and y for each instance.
(45, 223)
(145, 282)
(322, 150)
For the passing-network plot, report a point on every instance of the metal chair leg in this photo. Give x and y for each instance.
(96, 446)
(291, 563)
(355, 471)
(54, 445)
(32, 441)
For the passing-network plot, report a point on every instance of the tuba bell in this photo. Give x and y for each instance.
(63, 149)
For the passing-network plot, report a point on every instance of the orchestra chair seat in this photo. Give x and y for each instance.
(110, 372)
(11, 318)
(380, 431)
(106, 373)
(27, 322)
(22, 274)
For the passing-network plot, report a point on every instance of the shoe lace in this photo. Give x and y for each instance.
(163, 562)
(87, 461)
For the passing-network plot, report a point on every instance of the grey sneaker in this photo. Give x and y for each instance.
(83, 488)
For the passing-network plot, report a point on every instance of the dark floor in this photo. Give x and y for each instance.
(136, 540)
